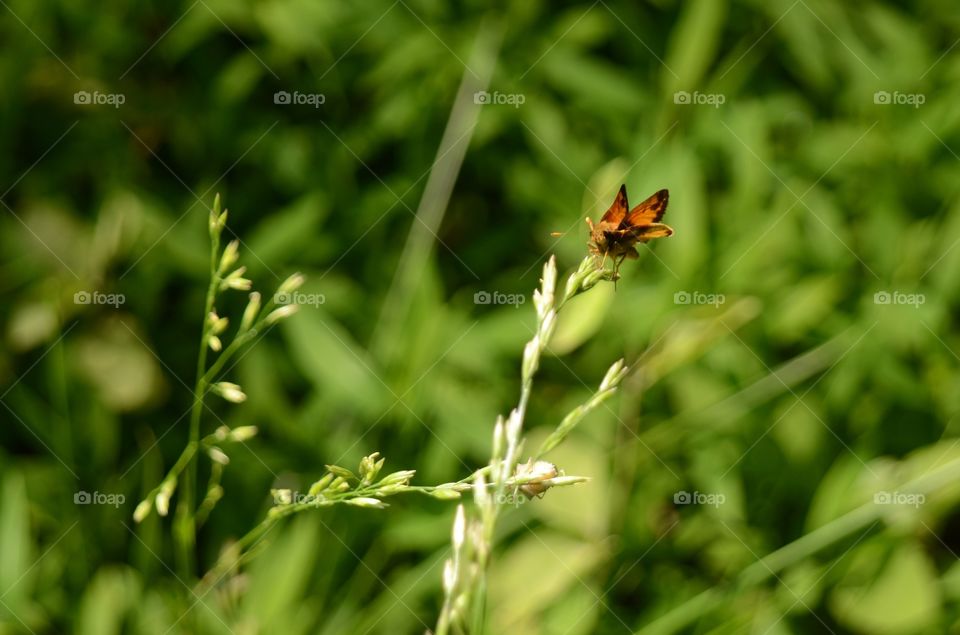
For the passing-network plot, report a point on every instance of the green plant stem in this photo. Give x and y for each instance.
(190, 449)
(238, 553)
(182, 461)
(186, 534)
(236, 344)
(230, 350)
(480, 603)
(793, 552)
(224, 357)
(472, 587)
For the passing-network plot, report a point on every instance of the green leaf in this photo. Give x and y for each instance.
(327, 354)
(581, 318)
(106, 601)
(693, 43)
(285, 233)
(279, 577)
(903, 597)
(15, 582)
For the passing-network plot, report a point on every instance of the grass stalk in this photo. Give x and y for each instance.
(185, 534)
(858, 519)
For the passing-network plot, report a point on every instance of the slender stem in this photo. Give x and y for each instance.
(222, 359)
(184, 459)
(505, 467)
(234, 556)
(186, 534)
(855, 520)
(238, 342)
(465, 598)
(443, 622)
(227, 353)
(480, 604)
(238, 553)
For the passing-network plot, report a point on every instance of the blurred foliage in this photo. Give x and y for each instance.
(797, 199)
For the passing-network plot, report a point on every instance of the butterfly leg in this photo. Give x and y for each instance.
(616, 270)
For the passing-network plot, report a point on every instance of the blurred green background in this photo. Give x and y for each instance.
(794, 343)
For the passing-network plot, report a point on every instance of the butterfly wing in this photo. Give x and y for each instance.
(618, 210)
(644, 233)
(648, 212)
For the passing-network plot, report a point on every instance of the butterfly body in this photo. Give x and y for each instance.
(620, 228)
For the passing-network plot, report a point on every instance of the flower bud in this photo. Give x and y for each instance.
(320, 485)
(459, 528)
(283, 312)
(250, 313)
(218, 455)
(235, 280)
(243, 433)
(162, 499)
(229, 255)
(230, 391)
(291, 284)
(365, 501)
(142, 510)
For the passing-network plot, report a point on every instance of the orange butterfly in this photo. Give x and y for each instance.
(618, 231)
